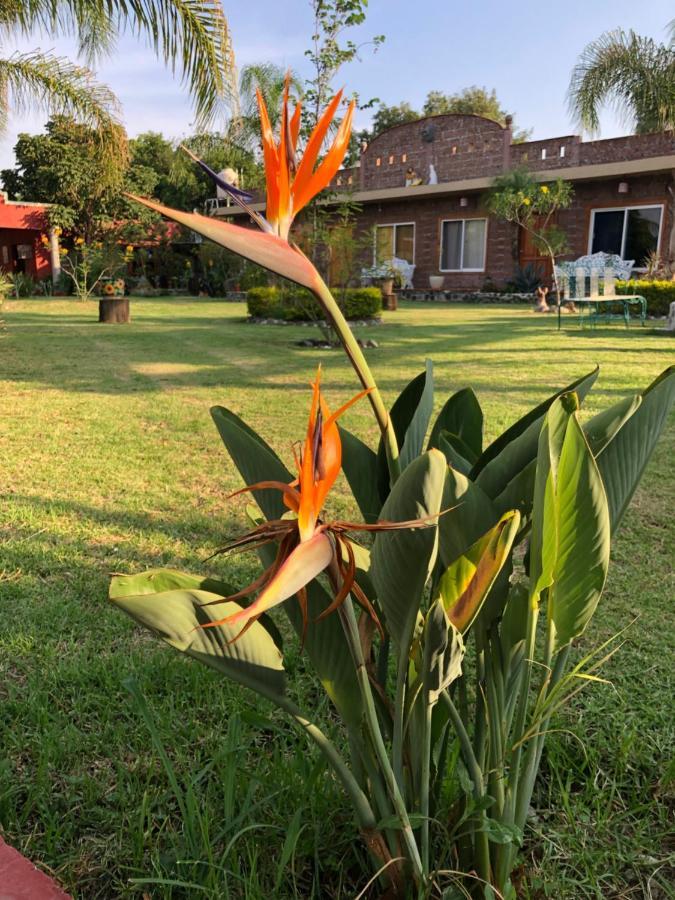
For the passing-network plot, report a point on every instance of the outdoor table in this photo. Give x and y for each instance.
(594, 307)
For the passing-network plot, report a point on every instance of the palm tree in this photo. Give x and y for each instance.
(269, 78)
(189, 34)
(635, 74)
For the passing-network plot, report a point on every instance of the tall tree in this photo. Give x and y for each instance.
(634, 74)
(191, 35)
(473, 100)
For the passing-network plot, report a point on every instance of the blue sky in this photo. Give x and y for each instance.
(525, 50)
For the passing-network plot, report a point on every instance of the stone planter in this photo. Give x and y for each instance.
(436, 282)
(114, 310)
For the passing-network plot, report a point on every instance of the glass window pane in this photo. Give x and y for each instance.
(384, 246)
(608, 231)
(474, 244)
(642, 234)
(451, 256)
(405, 239)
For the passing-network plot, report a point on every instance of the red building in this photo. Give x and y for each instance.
(421, 189)
(22, 228)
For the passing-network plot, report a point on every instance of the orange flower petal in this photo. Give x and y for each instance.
(267, 250)
(272, 162)
(310, 187)
(315, 143)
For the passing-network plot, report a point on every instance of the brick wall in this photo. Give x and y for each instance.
(635, 146)
(427, 216)
(502, 246)
(462, 147)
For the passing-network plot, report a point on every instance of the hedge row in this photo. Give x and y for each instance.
(658, 294)
(297, 304)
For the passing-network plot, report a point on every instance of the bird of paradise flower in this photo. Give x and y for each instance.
(308, 545)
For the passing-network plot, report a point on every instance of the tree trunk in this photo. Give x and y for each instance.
(114, 310)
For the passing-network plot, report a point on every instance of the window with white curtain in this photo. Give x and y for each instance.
(632, 232)
(463, 245)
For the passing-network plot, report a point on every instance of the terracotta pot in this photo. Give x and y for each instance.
(387, 286)
(436, 282)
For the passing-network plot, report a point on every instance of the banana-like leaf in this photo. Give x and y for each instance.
(569, 552)
(254, 458)
(443, 652)
(466, 583)
(155, 581)
(467, 514)
(455, 451)
(359, 463)
(410, 416)
(402, 560)
(175, 616)
(602, 428)
(513, 450)
(551, 438)
(461, 415)
(624, 458)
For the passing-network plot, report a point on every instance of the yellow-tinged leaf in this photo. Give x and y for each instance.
(466, 583)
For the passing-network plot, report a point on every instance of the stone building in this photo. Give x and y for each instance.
(421, 188)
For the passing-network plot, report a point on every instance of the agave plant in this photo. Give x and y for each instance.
(487, 563)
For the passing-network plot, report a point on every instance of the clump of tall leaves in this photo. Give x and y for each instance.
(444, 713)
(442, 646)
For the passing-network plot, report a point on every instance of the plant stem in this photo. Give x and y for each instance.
(426, 775)
(476, 773)
(362, 369)
(399, 724)
(346, 613)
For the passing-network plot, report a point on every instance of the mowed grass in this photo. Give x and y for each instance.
(109, 462)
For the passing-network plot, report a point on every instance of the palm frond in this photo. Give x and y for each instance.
(189, 35)
(635, 75)
(59, 86)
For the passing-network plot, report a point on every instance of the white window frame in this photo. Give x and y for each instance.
(626, 210)
(464, 221)
(394, 225)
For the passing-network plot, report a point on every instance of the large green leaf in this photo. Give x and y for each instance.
(602, 428)
(569, 553)
(410, 416)
(176, 616)
(466, 583)
(467, 514)
(443, 652)
(155, 581)
(515, 449)
(624, 458)
(359, 463)
(401, 560)
(462, 416)
(254, 458)
(455, 451)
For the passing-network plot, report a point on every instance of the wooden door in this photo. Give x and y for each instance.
(530, 255)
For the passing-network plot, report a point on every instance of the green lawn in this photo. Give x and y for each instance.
(110, 462)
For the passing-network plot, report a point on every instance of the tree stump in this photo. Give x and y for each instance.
(114, 310)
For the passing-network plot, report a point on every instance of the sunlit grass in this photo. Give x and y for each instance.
(110, 462)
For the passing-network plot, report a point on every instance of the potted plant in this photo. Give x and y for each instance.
(436, 282)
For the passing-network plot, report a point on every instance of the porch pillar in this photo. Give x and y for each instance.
(54, 254)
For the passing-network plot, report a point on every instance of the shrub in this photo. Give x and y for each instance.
(296, 304)
(658, 294)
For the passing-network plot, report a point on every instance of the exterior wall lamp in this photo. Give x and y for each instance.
(623, 187)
